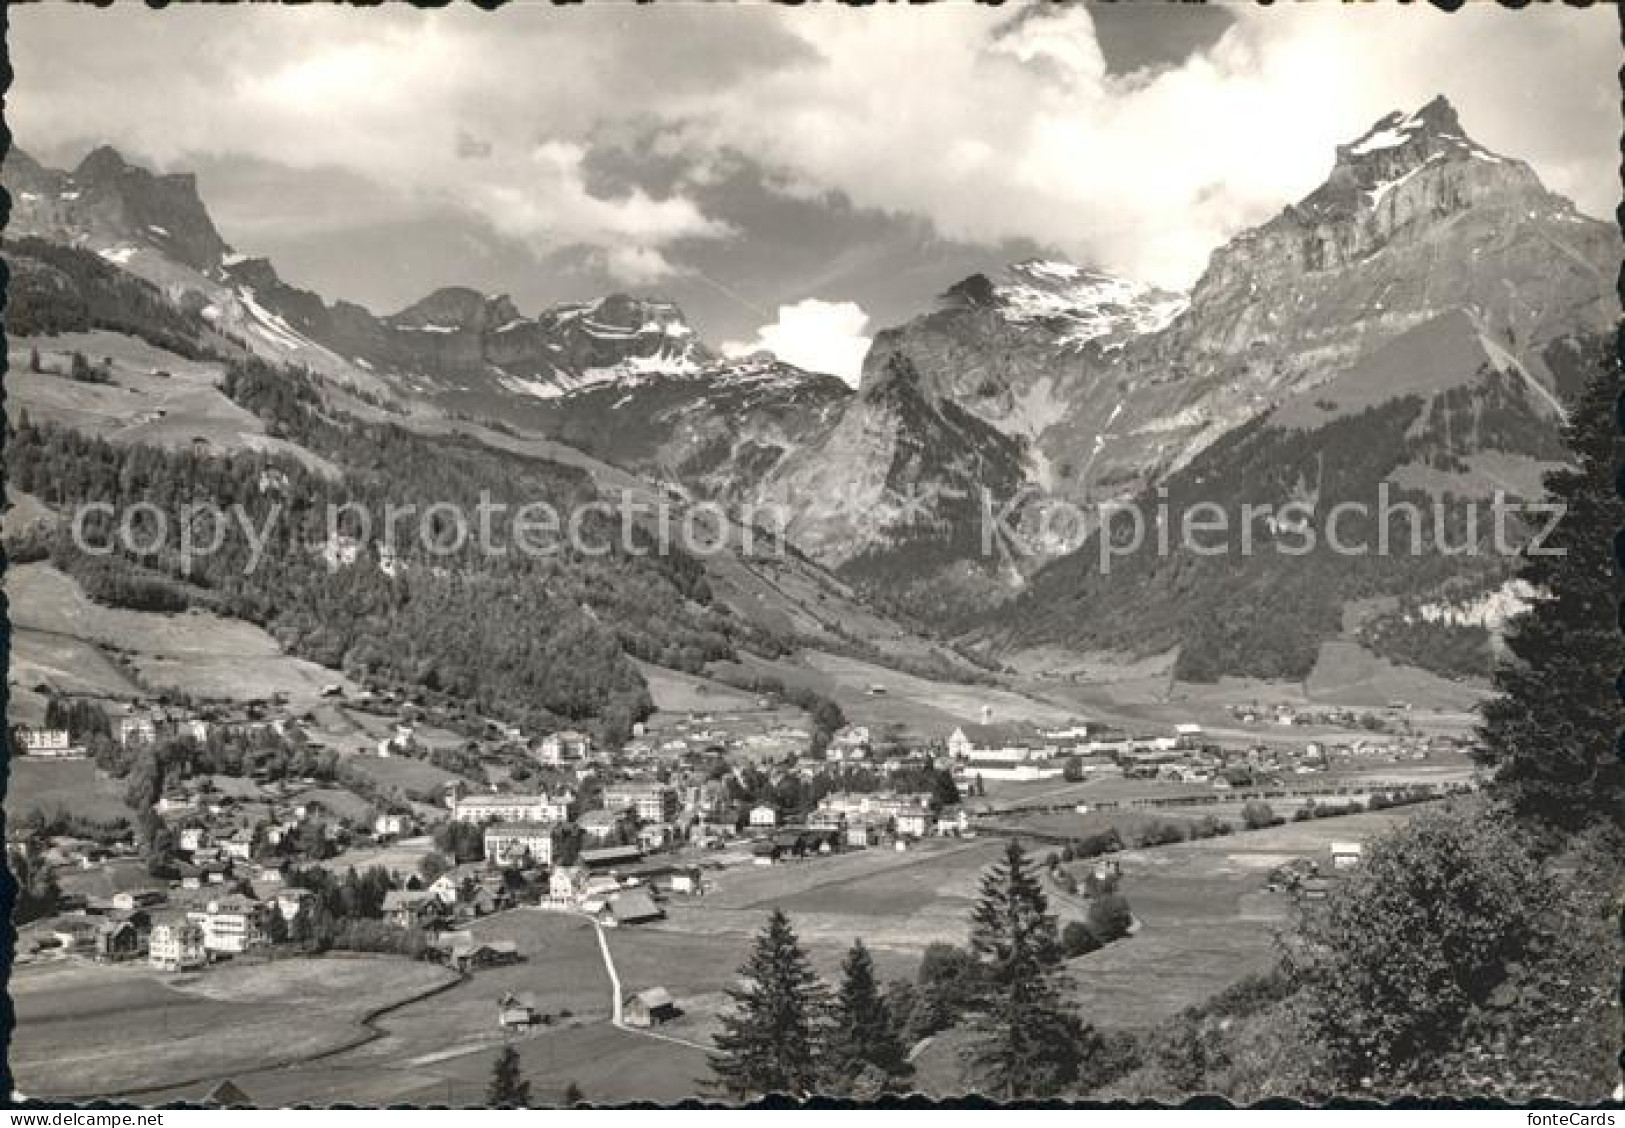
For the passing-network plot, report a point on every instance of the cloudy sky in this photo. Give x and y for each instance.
(795, 177)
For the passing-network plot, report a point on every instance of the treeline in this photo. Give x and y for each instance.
(346, 914)
(57, 289)
(528, 638)
(826, 715)
(1523, 1012)
(1266, 614)
(1006, 992)
(1458, 650)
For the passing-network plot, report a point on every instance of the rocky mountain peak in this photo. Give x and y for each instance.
(121, 202)
(102, 163)
(457, 308)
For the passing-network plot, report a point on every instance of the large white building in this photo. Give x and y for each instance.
(537, 808)
(651, 802)
(518, 841)
(47, 743)
(232, 924)
(1008, 743)
(177, 945)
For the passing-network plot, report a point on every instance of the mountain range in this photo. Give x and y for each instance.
(1421, 319)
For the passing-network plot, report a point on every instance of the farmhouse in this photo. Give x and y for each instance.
(513, 842)
(516, 1011)
(176, 944)
(634, 906)
(1346, 855)
(119, 939)
(413, 908)
(491, 953)
(862, 834)
(685, 881)
(389, 825)
(764, 816)
(649, 1008)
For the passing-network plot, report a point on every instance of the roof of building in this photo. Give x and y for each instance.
(634, 905)
(1003, 734)
(608, 855)
(227, 1094)
(407, 899)
(655, 998)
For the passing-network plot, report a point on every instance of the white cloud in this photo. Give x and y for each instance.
(816, 335)
(990, 123)
(997, 125)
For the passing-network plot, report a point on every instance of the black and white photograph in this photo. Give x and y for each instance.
(565, 556)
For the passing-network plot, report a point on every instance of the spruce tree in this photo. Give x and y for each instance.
(1550, 733)
(508, 1088)
(864, 1034)
(1027, 1038)
(772, 1042)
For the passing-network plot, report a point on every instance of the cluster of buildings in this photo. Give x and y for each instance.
(522, 828)
(864, 819)
(1021, 752)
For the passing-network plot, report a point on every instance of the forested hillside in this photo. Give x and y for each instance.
(516, 635)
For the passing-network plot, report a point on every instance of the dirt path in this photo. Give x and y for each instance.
(615, 1002)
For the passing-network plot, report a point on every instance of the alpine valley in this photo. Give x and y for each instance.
(1422, 320)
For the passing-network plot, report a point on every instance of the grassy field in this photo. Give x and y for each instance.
(139, 405)
(1349, 674)
(925, 709)
(675, 692)
(61, 662)
(1205, 920)
(440, 1048)
(198, 652)
(71, 785)
(898, 902)
(403, 772)
(84, 1030)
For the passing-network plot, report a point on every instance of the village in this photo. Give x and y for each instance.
(261, 815)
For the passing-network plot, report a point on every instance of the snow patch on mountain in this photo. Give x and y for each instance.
(1084, 305)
